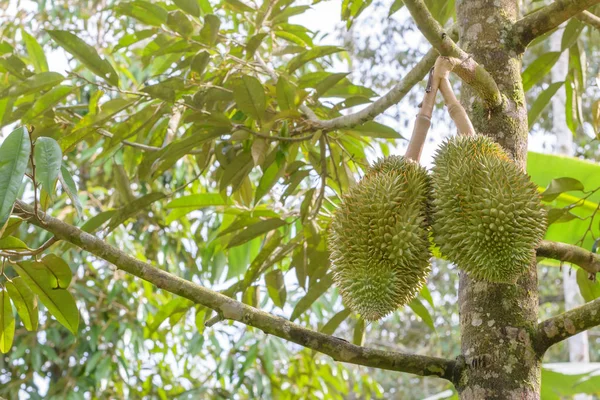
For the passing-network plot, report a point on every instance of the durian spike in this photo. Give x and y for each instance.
(423, 121)
(456, 110)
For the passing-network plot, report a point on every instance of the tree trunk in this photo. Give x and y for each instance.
(497, 320)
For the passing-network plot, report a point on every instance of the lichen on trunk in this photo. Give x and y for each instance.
(497, 320)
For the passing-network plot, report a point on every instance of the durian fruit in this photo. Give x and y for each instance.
(379, 238)
(487, 216)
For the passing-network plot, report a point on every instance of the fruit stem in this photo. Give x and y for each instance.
(455, 109)
(423, 119)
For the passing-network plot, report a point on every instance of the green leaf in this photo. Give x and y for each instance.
(590, 289)
(189, 6)
(541, 102)
(48, 160)
(286, 96)
(314, 292)
(539, 68)
(33, 84)
(144, 11)
(7, 322)
(59, 302)
(107, 111)
(70, 188)
(165, 90)
(426, 294)
(200, 61)
(10, 227)
(237, 5)
(25, 302)
(180, 23)
(35, 51)
(376, 130)
(558, 215)
(60, 269)
(46, 102)
(561, 185)
(198, 201)
(172, 307)
(396, 5)
(543, 168)
(329, 82)
(255, 230)
(14, 156)
(260, 261)
(210, 31)
(131, 209)
(86, 54)
(12, 243)
(249, 96)
(97, 221)
(15, 66)
(133, 38)
(419, 309)
(253, 44)
(268, 180)
(358, 338)
(595, 110)
(571, 33)
(335, 321)
(310, 55)
(276, 287)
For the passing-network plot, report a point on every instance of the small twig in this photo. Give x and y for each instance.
(439, 72)
(589, 18)
(455, 109)
(214, 320)
(319, 201)
(34, 252)
(274, 137)
(335, 170)
(110, 88)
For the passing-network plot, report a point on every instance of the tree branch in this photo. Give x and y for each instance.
(376, 108)
(587, 260)
(563, 326)
(392, 97)
(545, 19)
(589, 18)
(468, 70)
(338, 349)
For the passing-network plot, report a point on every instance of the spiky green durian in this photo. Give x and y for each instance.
(379, 238)
(487, 216)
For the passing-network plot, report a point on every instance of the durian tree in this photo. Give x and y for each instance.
(195, 157)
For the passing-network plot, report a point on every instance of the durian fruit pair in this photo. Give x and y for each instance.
(484, 213)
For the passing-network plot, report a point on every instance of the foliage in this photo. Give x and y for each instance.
(178, 135)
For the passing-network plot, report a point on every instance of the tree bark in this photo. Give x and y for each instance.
(497, 321)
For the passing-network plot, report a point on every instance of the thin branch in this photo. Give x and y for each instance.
(274, 137)
(423, 119)
(323, 174)
(585, 259)
(338, 349)
(545, 19)
(468, 70)
(392, 97)
(563, 326)
(589, 18)
(32, 252)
